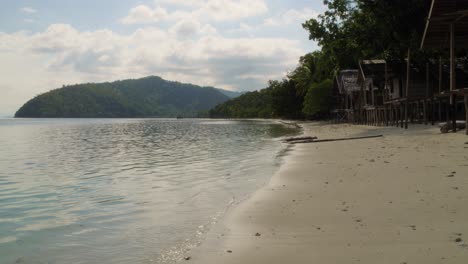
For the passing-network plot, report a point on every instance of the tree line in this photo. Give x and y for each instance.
(347, 32)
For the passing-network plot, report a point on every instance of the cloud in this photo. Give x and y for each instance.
(29, 10)
(143, 14)
(291, 16)
(189, 27)
(190, 51)
(208, 10)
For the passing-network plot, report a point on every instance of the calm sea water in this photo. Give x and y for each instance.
(124, 191)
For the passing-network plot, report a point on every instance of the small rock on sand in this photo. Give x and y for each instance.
(187, 258)
(257, 234)
(229, 251)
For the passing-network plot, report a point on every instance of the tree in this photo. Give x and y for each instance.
(317, 101)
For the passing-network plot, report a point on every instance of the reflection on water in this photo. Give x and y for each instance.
(123, 191)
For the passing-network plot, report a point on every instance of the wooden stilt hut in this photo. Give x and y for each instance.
(349, 92)
(447, 28)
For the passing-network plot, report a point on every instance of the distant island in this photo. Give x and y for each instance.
(146, 97)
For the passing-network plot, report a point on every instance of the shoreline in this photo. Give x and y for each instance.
(386, 200)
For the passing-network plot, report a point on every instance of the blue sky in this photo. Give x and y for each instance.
(231, 44)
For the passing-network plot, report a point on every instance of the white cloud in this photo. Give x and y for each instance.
(143, 14)
(208, 10)
(190, 51)
(291, 16)
(29, 10)
(189, 27)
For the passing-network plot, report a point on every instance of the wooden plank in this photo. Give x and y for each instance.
(335, 139)
(298, 139)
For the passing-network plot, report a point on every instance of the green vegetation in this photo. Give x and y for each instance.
(146, 97)
(347, 32)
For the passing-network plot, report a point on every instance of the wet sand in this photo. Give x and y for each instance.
(398, 199)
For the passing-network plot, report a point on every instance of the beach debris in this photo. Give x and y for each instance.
(229, 251)
(450, 176)
(413, 227)
(458, 240)
(446, 127)
(187, 258)
(334, 139)
(257, 234)
(298, 139)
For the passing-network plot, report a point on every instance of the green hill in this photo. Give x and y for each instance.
(146, 97)
(256, 104)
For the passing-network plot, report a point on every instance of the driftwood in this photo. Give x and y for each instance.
(334, 139)
(446, 127)
(298, 139)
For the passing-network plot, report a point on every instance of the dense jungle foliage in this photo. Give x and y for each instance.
(146, 97)
(346, 33)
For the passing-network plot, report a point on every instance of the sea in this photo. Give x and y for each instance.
(125, 190)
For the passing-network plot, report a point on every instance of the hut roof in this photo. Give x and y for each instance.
(371, 68)
(441, 14)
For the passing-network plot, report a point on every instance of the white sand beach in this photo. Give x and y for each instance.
(402, 198)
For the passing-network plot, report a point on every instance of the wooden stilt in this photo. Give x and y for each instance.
(452, 77)
(432, 111)
(454, 113)
(466, 114)
(425, 112)
(439, 112)
(447, 112)
(408, 68)
(402, 114)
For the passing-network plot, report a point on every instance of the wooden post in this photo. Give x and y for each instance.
(387, 86)
(440, 74)
(427, 93)
(408, 68)
(432, 110)
(402, 115)
(466, 112)
(439, 106)
(452, 77)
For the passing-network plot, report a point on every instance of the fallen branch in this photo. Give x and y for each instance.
(298, 139)
(334, 139)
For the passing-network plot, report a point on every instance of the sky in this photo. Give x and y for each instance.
(232, 44)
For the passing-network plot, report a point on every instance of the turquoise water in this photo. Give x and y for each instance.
(124, 190)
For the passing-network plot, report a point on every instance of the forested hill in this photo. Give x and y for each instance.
(146, 97)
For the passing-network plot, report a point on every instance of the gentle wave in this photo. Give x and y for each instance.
(123, 191)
